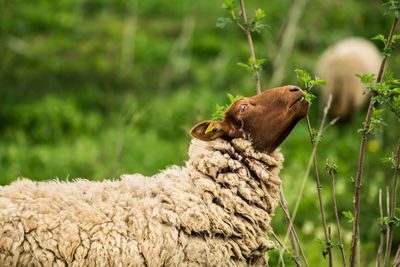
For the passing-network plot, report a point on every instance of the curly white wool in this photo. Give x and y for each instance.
(215, 211)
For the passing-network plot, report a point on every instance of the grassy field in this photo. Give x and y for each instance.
(97, 89)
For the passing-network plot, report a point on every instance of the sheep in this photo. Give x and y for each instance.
(214, 211)
(338, 65)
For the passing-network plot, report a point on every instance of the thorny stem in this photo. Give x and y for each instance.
(332, 174)
(381, 229)
(247, 31)
(295, 258)
(319, 186)
(285, 209)
(393, 205)
(361, 158)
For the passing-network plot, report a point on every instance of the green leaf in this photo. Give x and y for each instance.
(317, 82)
(223, 22)
(259, 14)
(331, 166)
(229, 5)
(392, 6)
(381, 38)
(349, 216)
(245, 66)
(308, 97)
(220, 110)
(366, 78)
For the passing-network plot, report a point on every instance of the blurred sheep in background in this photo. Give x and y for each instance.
(338, 65)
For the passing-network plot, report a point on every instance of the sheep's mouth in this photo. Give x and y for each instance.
(296, 101)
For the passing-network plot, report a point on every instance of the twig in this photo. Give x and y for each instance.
(321, 129)
(290, 225)
(285, 209)
(288, 41)
(295, 259)
(387, 214)
(332, 174)
(360, 165)
(393, 206)
(381, 229)
(247, 31)
(397, 258)
(319, 186)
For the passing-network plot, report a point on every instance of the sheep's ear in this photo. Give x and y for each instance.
(209, 130)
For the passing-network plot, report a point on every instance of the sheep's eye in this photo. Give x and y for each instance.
(243, 107)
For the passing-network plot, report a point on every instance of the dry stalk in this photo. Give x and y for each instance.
(332, 174)
(295, 258)
(397, 258)
(392, 210)
(321, 129)
(361, 158)
(285, 209)
(381, 229)
(319, 186)
(294, 237)
(288, 41)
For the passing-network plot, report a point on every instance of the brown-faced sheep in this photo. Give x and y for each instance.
(338, 65)
(215, 211)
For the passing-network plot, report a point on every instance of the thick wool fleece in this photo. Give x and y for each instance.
(216, 211)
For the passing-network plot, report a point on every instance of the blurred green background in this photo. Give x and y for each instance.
(100, 88)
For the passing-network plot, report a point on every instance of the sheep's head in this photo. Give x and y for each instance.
(266, 119)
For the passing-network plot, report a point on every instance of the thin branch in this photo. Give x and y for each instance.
(295, 259)
(381, 230)
(321, 130)
(397, 258)
(247, 31)
(361, 158)
(288, 41)
(319, 186)
(285, 209)
(387, 214)
(393, 206)
(332, 174)
(290, 225)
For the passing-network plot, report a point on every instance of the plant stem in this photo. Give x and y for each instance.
(288, 41)
(295, 258)
(361, 158)
(290, 225)
(321, 129)
(247, 31)
(332, 174)
(319, 186)
(381, 229)
(393, 205)
(397, 258)
(294, 235)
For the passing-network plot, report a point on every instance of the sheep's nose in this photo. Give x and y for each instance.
(295, 89)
